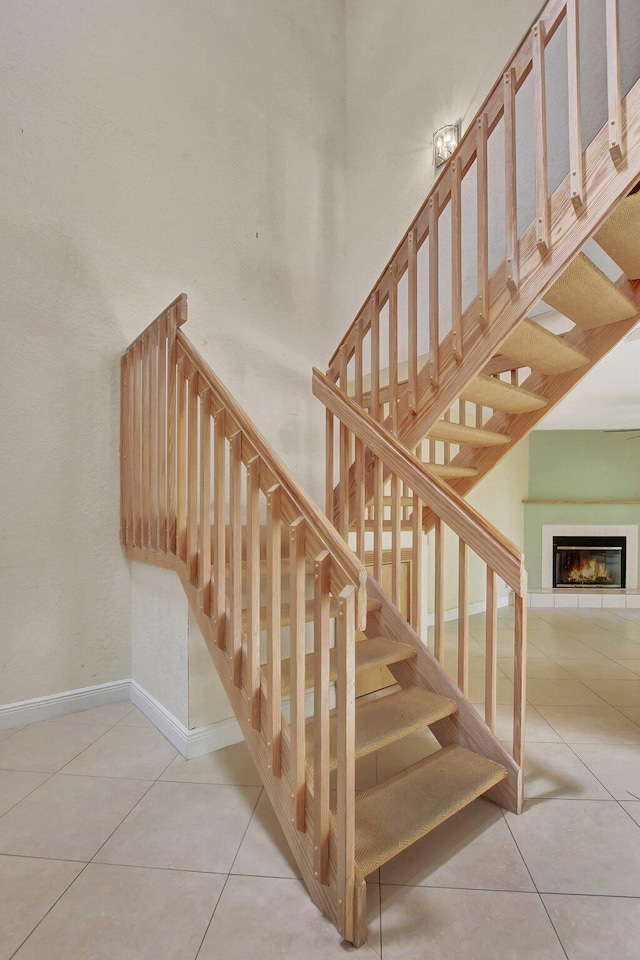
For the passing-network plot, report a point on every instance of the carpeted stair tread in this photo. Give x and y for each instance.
(285, 612)
(533, 346)
(619, 236)
(396, 812)
(384, 720)
(448, 471)
(495, 393)
(586, 295)
(370, 652)
(452, 432)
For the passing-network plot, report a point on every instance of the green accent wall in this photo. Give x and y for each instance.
(578, 465)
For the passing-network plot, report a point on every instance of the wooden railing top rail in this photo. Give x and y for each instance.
(179, 305)
(521, 63)
(341, 555)
(481, 536)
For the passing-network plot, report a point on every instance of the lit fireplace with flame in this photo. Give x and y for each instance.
(578, 561)
(589, 570)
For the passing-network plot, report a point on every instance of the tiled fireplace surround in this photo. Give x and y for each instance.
(581, 596)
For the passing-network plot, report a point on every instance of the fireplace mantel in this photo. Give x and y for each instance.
(549, 531)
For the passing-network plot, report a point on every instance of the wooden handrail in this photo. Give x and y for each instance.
(483, 538)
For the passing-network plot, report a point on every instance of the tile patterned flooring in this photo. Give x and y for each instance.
(113, 846)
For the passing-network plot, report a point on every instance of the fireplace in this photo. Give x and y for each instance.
(590, 562)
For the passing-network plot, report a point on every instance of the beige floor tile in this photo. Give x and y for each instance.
(127, 913)
(616, 766)
(8, 732)
(135, 718)
(472, 849)
(420, 923)
(184, 826)
(229, 765)
(404, 752)
(632, 665)
(284, 923)
(109, 713)
(597, 669)
(633, 809)
(264, 852)
(28, 888)
(554, 771)
(537, 728)
(619, 693)
(538, 668)
(579, 846)
(594, 928)
(632, 713)
(612, 646)
(602, 724)
(15, 785)
(68, 818)
(47, 746)
(130, 752)
(560, 693)
(565, 649)
(504, 689)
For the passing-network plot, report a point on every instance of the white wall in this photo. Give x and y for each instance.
(149, 148)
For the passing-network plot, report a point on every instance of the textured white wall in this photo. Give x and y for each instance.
(149, 148)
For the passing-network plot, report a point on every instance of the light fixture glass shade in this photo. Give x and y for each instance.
(445, 141)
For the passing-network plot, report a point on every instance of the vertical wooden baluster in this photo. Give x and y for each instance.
(297, 631)
(162, 433)
(416, 561)
(359, 451)
(346, 710)
(136, 461)
(375, 356)
(153, 436)
(345, 458)
(219, 526)
(235, 516)
(456, 260)
(479, 415)
(329, 476)
(378, 517)
(543, 235)
(520, 675)
(131, 429)
(514, 378)
(192, 477)
(412, 320)
(172, 359)
(491, 661)
(274, 612)
(463, 618)
(204, 565)
(253, 591)
(510, 180)
(393, 350)
(438, 603)
(462, 412)
(181, 487)
(482, 200)
(576, 160)
(321, 746)
(124, 455)
(434, 305)
(396, 567)
(146, 452)
(614, 93)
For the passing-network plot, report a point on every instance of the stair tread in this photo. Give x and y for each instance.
(285, 612)
(543, 351)
(494, 393)
(370, 652)
(448, 471)
(387, 719)
(393, 814)
(585, 295)
(452, 432)
(619, 236)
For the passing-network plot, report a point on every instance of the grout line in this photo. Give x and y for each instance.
(13, 805)
(32, 931)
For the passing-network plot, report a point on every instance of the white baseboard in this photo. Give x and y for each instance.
(61, 704)
(190, 743)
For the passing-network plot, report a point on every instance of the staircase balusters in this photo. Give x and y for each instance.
(235, 554)
(614, 98)
(219, 523)
(204, 527)
(321, 585)
(297, 634)
(543, 239)
(482, 226)
(491, 650)
(253, 591)
(273, 611)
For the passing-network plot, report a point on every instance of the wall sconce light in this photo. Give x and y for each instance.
(445, 141)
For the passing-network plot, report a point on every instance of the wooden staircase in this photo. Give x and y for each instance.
(279, 588)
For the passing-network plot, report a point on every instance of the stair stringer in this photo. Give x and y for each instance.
(325, 896)
(466, 727)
